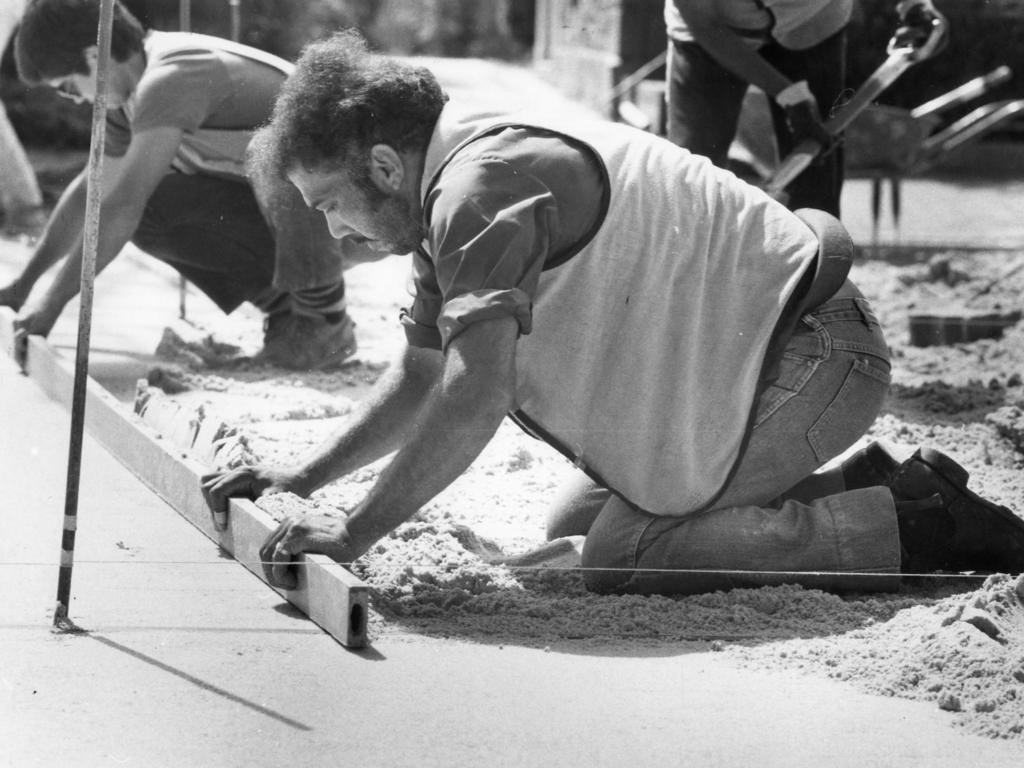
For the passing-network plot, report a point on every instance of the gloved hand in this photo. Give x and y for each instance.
(802, 115)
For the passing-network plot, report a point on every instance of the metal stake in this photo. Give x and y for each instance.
(185, 25)
(94, 197)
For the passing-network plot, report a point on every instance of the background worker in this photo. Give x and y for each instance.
(793, 50)
(21, 200)
(181, 112)
(666, 326)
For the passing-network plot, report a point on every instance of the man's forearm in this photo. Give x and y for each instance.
(118, 225)
(729, 49)
(453, 427)
(378, 425)
(61, 236)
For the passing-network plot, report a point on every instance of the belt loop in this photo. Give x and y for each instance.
(865, 312)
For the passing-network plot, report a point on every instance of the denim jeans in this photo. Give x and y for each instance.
(776, 518)
(236, 242)
(705, 100)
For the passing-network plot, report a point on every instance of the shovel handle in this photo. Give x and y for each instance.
(797, 161)
(922, 33)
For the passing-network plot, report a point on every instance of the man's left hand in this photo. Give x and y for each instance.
(316, 534)
(36, 322)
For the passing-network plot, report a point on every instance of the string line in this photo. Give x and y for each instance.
(512, 567)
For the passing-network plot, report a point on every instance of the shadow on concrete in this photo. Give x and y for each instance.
(208, 687)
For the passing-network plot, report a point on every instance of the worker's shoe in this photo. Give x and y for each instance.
(946, 527)
(868, 467)
(307, 342)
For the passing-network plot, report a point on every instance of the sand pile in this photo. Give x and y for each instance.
(452, 569)
(964, 652)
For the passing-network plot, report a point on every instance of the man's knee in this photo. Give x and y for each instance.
(603, 573)
(610, 550)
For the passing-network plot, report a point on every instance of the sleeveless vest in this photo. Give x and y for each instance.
(647, 345)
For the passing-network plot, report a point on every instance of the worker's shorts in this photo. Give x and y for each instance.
(235, 242)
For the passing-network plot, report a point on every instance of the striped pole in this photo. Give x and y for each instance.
(236, 19)
(185, 25)
(94, 196)
(185, 15)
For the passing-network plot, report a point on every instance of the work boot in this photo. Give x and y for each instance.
(946, 527)
(868, 467)
(307, 342)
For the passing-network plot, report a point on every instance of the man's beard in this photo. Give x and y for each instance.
(403, 230)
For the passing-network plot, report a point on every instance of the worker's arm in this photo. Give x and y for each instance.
(63, 232)
(459, 415)
(705, 22)
(128, 182)
(713, 34)
(376, 427)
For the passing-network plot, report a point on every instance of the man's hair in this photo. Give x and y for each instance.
(340, 101)
(53, 35)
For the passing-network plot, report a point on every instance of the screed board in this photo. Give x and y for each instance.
(327, 593)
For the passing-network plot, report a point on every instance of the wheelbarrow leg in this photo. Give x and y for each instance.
(876, 207)
(895, 188)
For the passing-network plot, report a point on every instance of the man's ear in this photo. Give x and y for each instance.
(387, 169)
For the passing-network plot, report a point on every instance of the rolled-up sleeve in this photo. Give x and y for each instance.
(491, 228)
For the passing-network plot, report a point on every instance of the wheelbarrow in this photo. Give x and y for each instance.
(886, 142)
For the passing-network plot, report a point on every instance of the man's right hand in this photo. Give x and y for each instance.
(12, 296)
(243, 482)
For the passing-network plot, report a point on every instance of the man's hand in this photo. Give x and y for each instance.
(802, 115)
(12, 296)
(32, 322)
(243, 482)
(317, 534)
(37, 321)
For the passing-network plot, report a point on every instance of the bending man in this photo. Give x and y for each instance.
(182, 110)
(688, 342)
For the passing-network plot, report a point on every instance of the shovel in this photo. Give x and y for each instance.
(921, 35)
